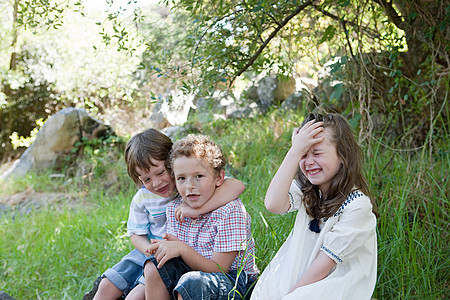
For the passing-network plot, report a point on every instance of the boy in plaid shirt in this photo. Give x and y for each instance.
(209, 257)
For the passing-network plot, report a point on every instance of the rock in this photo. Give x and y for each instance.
(57, 138)
(173, 131)
(274, 90)
(90, 295)
(5, 296)
(236, 111)
(295, 101)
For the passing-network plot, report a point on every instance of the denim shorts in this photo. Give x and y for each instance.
(195, 285)
(127, 273)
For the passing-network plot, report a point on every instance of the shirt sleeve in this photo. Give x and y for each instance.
(139, 218)
(295, 197)
(232, 230)
(355, 226)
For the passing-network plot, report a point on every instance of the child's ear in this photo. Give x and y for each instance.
(220, 178)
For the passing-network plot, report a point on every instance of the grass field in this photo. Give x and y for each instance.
(57, 250)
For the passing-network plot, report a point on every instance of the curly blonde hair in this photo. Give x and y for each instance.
(199, 146)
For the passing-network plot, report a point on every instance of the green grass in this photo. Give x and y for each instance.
(57, 251)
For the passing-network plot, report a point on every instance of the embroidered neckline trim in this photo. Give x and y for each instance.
(352, 196)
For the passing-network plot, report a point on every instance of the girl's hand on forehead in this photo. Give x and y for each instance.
(305, 137)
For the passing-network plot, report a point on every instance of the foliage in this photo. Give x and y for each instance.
(20, 141)
(57, 68)
(29, 93)
(386, 70)
(392, 54)
(77, 238)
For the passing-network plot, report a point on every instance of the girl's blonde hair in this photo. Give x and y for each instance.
(349, 176)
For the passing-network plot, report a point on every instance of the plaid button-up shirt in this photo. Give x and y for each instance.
(225, 229)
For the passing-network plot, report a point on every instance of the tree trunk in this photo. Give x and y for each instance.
(7, 88)
(426, 30)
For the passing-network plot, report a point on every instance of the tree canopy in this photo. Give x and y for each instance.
(389, 57)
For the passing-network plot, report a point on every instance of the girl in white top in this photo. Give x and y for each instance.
(331, 253)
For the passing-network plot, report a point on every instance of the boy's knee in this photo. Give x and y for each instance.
(192, 277)
(106, 287)
(106, 284)
(150, 270)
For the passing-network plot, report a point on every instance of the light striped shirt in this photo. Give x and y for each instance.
(148, 214)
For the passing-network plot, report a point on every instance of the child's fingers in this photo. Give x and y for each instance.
(317, 130)
(152, 249)
(162, 261)
(170, 237)
(179, 216)
(315, 126)
(309, 124)
(308, 127)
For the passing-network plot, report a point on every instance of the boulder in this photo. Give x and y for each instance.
(273, 90)
(57, 138)
(5, 296)
(295, 101)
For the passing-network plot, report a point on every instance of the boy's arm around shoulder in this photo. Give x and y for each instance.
(228, 191)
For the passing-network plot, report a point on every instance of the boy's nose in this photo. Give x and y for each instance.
(190, 184)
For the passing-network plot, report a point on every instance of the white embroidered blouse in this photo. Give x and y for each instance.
(349, 238)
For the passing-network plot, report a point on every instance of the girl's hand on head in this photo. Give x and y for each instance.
(305, 137)
(185, 211)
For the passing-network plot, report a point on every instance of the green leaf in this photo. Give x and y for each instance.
(328, 34)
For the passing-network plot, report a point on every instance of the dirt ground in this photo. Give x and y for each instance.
(30, 199)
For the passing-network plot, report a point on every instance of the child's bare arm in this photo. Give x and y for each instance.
(140, 242)
(318, 270)
(277, 199)
(229, 190)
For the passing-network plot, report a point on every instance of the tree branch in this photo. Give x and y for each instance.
(271, 36)
(392, 14)
(368, 31)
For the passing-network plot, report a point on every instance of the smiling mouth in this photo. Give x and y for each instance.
(313, 171)
(163, 190)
